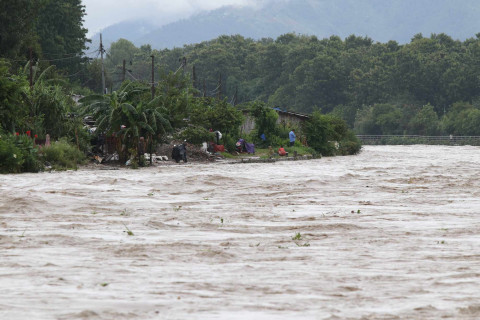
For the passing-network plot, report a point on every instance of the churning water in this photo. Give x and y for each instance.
(392, 233)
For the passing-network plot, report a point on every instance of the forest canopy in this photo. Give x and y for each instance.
(376, 87)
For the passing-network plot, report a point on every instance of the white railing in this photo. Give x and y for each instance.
(444, 139)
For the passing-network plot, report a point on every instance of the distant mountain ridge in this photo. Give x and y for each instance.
(380, 20)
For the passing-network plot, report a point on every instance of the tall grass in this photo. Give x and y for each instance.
(63, 156)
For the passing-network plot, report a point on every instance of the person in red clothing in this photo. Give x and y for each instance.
(282, 152)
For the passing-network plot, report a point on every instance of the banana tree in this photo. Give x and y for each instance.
(125, 113)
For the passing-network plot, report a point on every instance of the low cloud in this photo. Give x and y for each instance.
(101, 14)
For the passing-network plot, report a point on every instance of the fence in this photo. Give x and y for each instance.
(415, 139)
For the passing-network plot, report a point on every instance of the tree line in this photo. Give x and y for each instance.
(429, 86)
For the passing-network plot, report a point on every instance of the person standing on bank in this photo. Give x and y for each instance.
(292, 137)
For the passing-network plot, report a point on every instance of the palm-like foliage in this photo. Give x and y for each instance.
(47, 102)
(126, 114)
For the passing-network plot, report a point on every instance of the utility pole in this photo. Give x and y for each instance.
(31, 68)
(219, 93)
(103, 69)
(153, 77)
(184, 64)
(235, 96)
(194, 76)
(123, 71)
(204, 89)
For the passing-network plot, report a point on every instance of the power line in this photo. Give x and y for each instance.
(131, 75)
(73, 75)
(59, 59)
(68, 56)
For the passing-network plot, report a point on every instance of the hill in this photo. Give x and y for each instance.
(380, 20)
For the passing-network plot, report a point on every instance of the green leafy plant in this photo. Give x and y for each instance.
(306, 244)
(11, 157)
(129, 232)
(326, 134)
(63, 155)
(18, 154)
(297, 236)
(195, 135)
(23, 233)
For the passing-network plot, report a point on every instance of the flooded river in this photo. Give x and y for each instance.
(392, 233)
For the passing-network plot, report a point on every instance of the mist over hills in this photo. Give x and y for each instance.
(380, 20)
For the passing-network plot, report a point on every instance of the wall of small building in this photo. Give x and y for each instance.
(286, 120)
(248, 125)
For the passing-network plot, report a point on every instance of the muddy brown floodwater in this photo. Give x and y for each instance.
(392, 233)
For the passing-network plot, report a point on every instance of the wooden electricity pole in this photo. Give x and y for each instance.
(103, 69)
(219, 92)
(235, 97)
(194, 77)
(31, 68)
(153, 76)
(123, 71)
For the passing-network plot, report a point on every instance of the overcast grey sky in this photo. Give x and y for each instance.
(102, 13)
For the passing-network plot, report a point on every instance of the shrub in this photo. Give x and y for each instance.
(229, 143)
(11, 159)
(349, 145)
(31, 162)
(196, 135)
(18, 154)
(265, 123)
(276, 142)
(62, 155)
(324, 131)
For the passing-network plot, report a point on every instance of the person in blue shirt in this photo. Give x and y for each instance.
(292, 137)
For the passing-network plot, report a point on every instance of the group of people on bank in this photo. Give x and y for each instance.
(179, 152)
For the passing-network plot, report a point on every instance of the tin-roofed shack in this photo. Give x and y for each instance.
(286, 119)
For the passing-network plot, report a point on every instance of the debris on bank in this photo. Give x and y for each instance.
(266, 160)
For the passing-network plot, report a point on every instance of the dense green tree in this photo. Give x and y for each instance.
(351, 77)
(13, 111)
(330, 135)
(387, 117)
(462, 119)
(468, 123)
(61, 34)
(425, 122)
(346, 112)
(17, 34)
(121, 50)
(216, 115)
(265, 122)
